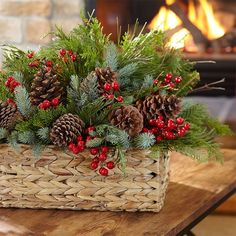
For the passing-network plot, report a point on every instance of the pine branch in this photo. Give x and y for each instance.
(27, 137)
(96, 142)
(23, 101)
(144, 140)
(43, 134)
(121, 159)
(13, 140)
(111, 57)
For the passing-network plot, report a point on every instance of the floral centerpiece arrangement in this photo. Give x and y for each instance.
(87, 108)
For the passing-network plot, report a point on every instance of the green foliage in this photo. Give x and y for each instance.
(121, 159)
(144, 140)
(23, 101)
(26, 137)
(3, 133)
(111, 57)
(41, 119)
(4, 93)
(96, 142)
(13, 140)
(43, 134)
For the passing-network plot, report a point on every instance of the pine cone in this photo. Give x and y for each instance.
(45, 86)
(155, 105)
(66, 129)
(9, 115)
(104, 75)
(127, 118)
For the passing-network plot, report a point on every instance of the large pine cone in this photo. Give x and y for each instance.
(66, 129)
(45, 86)
(155, 105)
(9, 115)
(127, 118)
(104, 75)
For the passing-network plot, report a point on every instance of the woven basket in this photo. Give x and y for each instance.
(64, 181)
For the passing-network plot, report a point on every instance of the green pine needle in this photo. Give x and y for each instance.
(23, 101)
(144, 140)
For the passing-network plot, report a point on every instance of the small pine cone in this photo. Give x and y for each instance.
(104, 75)
(155, 105)
(45, 86)
(66, 129)
(9, 115)
(127, 118)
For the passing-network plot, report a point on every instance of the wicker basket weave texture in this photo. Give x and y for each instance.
(65, 181)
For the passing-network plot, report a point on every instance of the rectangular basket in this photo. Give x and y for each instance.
(65, 181)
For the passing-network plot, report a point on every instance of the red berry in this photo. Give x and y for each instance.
(73, 57)
(70, 52)
(178, 79)
(154, 130)
(171, 85)
(180, 121)
(181, 132)
(145, 130)
(187, 126)
(110, 165)
(102, 157)
(94, 165)
(76, 150)
(71, 146)
(11, 101)
(30, 55)
(46, 104)
(169, 135)
(90, 129)
(119, 99)
(49, 63)
(160, 117)
(169, 76)
(103, 171)
(94, 151)
(55, 102)
(79, 138)
(7, 83)
(63, 52)
(14, 84)
(107, 86)
(160, 124)
(155, 82)
(171, 124)
(81, 143)
(110, 96)
(104, 149)
(166, 80)
(152, 122)
(159, 138)
(115, 85)
(81, 148)
(89, 138)
(96, 159)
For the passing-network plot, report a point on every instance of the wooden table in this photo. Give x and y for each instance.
(194, 191)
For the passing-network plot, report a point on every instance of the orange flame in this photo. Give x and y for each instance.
(202, 16)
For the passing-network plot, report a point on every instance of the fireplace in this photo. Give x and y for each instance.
(203, 29)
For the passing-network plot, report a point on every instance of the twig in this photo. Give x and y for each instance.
(203, 62)
(209, 86)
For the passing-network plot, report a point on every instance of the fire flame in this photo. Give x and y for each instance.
(202, 16)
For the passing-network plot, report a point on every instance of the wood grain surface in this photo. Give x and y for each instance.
(194, 188)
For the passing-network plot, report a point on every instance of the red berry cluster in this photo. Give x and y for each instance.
(47, 104)
(110, 89)
(79, 146)
(167, 129)
(11, 83)
(63, 53)
(169, 81)
(100, 160)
